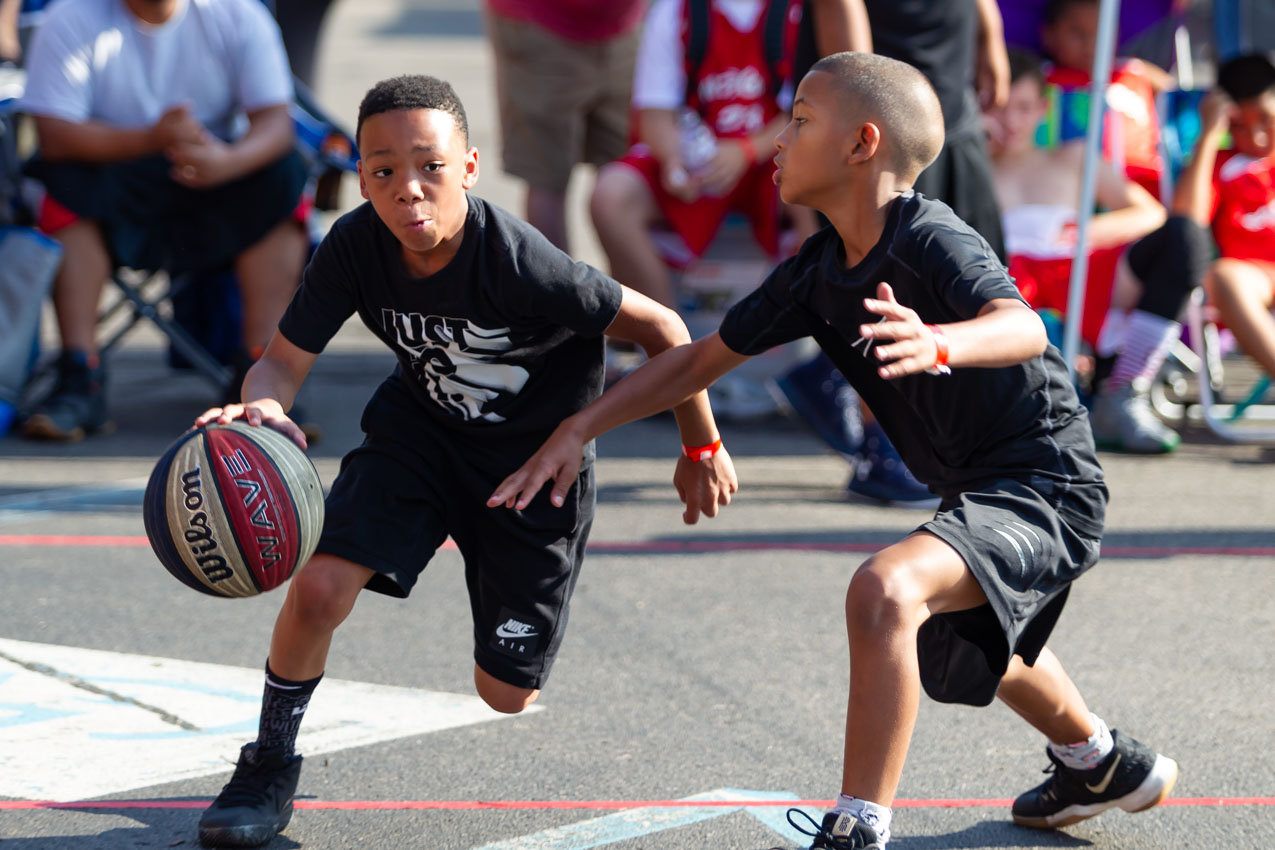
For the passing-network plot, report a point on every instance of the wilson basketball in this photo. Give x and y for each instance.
(232, 510)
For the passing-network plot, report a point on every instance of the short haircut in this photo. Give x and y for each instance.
(1246, 77)
(1024, 65)
(413, 91)
(1055, 9)
(896, 97)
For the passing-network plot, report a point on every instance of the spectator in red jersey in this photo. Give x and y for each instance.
(709, 100)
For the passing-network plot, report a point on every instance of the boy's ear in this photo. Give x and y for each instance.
(470, 176)
(362, 182)
(864, 142)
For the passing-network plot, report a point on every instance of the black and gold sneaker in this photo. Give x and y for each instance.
(1132, 776)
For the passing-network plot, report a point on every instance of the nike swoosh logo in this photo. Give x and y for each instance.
(1106, 780)
(501, 631)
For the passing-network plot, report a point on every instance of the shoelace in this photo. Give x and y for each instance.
(833, 842)
(247, 787)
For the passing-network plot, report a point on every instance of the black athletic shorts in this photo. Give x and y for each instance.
(1025, 554)
(150, 221)
(396, 500)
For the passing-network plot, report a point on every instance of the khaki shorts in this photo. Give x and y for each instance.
(562, 102)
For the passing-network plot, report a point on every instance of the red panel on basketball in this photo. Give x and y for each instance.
(233, 510)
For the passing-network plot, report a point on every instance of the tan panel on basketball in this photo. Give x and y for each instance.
(199, 527)
(304, 487)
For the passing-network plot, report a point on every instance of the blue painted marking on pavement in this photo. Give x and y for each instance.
(90, 499)
(22, 715)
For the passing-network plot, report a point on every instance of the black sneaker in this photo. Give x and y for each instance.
(839, 831)
(1132, 777)
(75, 407)
(256, 803)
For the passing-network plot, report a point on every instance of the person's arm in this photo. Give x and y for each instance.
(735, 156)
(991, 75)
(705, 484)
(10, 47)
(840, 25)
(1005, 332)
(272, 384)
(664, 381)
(1131, 211)
(657, 129)
(1193, 197)
(97, 141)
(211, 162)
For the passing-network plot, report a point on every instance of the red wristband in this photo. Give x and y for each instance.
(750, 150)
(940, 366)
(698, 453)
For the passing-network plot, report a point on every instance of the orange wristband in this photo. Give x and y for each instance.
(940, 366)
(750, 150)
(698, 453)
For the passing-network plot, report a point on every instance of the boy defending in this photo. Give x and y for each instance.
(498, 337)
(915, 310)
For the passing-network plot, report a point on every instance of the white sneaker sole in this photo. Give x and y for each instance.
(1153, 791)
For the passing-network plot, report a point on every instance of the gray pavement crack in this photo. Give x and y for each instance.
(77, 682)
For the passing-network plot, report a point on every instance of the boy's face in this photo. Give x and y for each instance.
(415, 170)
(1019, 117)
(1072, 38)
(1253, 125)
(810, 154)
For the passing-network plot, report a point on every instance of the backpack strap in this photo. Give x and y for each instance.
(696, 43)
(774, 32)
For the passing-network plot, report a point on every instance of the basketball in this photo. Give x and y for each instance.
(232, 510)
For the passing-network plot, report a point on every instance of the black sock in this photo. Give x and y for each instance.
(282, 707)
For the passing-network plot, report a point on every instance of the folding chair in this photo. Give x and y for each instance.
(148, 296)
(1210, 379)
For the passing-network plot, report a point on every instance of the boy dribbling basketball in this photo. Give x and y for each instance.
(919, 315)
(498, 337)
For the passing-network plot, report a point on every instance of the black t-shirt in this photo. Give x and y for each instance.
(496, 348)
(955, 432)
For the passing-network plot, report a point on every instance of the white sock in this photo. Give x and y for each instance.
(1147, 341)
(1089, 753)
(1111, 337)
(875, 816)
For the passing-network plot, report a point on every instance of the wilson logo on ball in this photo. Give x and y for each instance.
(233, 510)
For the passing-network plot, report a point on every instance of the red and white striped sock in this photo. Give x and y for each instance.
(1147, 341)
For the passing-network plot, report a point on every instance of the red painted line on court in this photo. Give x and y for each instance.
(638, 547)
(454, 805)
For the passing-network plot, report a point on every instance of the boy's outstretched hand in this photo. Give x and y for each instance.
(558, 459)
(913, 349)
(703, 486)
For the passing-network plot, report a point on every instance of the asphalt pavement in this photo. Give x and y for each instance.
(702, 684)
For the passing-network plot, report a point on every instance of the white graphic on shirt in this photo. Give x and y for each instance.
(459, 363)
(865, 342)
(1259, 219)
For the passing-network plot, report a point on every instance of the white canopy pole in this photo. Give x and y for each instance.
(1103, 55)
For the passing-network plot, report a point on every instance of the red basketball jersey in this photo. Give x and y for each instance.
(1244, 206)
(733, 90)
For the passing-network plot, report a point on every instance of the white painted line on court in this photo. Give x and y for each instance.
(638, 823)
(80, 723)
